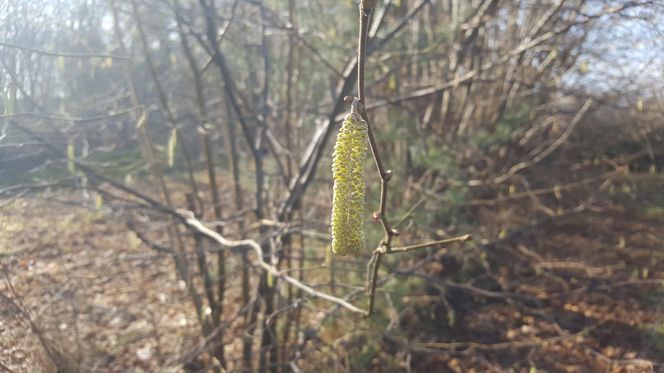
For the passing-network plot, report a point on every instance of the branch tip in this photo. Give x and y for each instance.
(367, 5)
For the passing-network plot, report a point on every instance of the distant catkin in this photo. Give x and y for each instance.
(348, 196)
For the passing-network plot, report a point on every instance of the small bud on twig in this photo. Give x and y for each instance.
(376, 216)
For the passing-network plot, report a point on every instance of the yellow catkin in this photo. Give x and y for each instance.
(170, 150)
(71, 157)
(350, 153)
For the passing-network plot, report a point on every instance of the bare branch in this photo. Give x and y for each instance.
(62, 54)
(197, 225)
(401, 249)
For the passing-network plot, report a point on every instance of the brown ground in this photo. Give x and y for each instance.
(589, 298)
(92, 288)
(583, 293)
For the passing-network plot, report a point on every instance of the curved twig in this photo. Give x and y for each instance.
(196, 224)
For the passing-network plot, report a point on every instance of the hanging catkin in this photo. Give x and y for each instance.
(348, 196)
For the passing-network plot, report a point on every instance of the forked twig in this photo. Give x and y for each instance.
(196, 224)
(385, 246)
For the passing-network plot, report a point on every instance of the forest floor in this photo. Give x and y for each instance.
(105, 302)
(92, 288)
(583, 293)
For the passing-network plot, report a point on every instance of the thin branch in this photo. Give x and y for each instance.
(402, 249)
(549, 190)
(373, 271)
(556, 144)
(196, 224)
(312, 156)
(62, 54)
(148, 242)
(67, 118)
(13, 199)
(6, 369)
(385, 247)
(163, 99)
(469, 347)
(366, 8)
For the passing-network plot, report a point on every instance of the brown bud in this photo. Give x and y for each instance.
(376, 216)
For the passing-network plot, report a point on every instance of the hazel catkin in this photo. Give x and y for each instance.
(348, 159)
